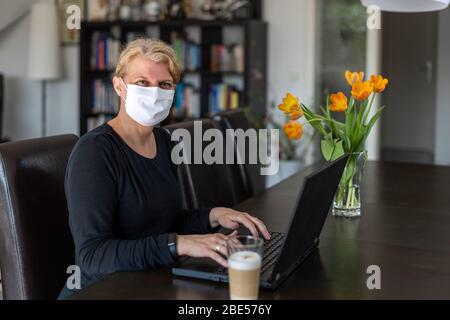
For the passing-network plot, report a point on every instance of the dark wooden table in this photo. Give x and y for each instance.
(404, 229)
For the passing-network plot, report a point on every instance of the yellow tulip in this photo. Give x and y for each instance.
(288, 102)
(291, 107)
(378, 83)
(362, 90)
(353, 77)
(338, 102)
(293, 130)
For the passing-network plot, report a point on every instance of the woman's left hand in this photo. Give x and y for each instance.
(231, 219)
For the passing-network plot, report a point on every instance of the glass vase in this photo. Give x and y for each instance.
(347, 200)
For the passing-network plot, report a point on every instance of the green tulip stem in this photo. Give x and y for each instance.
(370, 108)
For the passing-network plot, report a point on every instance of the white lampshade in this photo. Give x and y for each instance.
(44, 61)
(408, 5)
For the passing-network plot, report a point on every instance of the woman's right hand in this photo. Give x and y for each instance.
(204, 246)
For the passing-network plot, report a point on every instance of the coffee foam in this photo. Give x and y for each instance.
(235, 297)
(244, 260)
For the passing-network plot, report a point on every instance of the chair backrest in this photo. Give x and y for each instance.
(2, 90)
(253, 181)
(36, 245)
(207, 185)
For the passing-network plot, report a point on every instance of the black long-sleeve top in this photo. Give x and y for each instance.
(123, 205)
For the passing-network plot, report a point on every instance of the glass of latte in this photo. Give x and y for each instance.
(244, 266)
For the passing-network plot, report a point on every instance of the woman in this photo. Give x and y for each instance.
(122, 192)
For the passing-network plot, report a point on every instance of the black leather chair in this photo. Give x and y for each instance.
(208, 185)
(2, 98)
(36, 245)
(252, 180)
(2, 90)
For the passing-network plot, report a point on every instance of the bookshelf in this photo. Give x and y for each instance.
(224, 66)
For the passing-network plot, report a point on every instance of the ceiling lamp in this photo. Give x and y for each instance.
(407, 5)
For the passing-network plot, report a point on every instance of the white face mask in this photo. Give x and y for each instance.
(148, 106)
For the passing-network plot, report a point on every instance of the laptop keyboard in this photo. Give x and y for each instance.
(272, 249)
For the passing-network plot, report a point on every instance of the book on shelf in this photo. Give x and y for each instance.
(227, 58)
(104, 98)
(187, 51)
(186, 102)
(105, 51)
(131, 36)
(223, 97)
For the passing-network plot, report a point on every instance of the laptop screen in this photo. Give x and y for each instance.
(310, 214)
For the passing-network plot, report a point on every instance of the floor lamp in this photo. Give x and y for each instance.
(44, 61)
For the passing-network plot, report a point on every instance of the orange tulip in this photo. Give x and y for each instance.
(296, 112)
(362, 90)
(353, 77)
(378, 83)
(291, 107)
(293, 130)
(338, 102)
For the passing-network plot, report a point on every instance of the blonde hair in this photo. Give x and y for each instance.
(155, 50)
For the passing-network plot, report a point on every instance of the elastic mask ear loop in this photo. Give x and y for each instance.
(126, 89)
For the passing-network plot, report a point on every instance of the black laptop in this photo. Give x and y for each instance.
(284, 252)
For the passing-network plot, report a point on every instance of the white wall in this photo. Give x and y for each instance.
(63, 96)
(22, 109)
(373, 66)
(291, 48)
(442, 132)
(11, 10)
(19, 106)
(291, 57)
